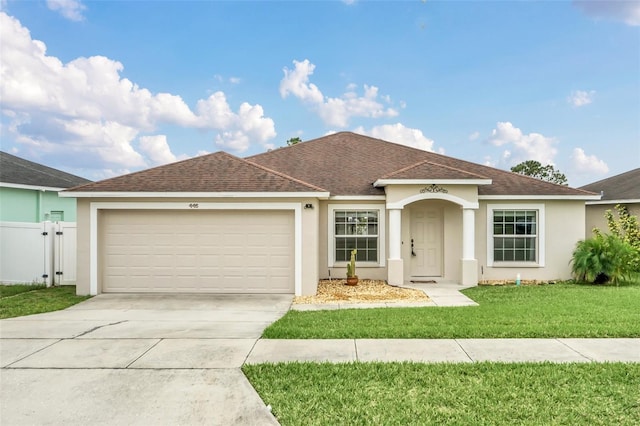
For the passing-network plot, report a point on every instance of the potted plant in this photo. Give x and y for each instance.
(352, 278)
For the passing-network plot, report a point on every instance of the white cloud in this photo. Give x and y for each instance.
(70, 9)
(580, 98)
(473, 136)
(86, 104)
(333, 111)
(587, 164)
(296, 82)
(157, 149)
(627, 11)
(400, 134)
(521, 147)
(234, 80)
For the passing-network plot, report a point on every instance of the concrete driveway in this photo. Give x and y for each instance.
(136, 359)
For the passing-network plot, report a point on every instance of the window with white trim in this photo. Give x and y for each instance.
(515, 234)
(356, 227)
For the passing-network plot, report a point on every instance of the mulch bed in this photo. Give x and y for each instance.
(367, 291)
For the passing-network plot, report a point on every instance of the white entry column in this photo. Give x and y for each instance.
(395, 268)
(468, 263)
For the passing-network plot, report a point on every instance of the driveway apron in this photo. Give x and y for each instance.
(136, 359)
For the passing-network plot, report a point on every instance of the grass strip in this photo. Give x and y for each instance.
(560, 310)
(39, 301)
(13, 289)
(449, 394)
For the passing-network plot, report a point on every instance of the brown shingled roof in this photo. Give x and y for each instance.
(428, 170)
(219, 172)
(342, 163)
(346, 163)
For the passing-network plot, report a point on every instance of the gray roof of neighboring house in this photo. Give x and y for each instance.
(24, 172)
(625, 186)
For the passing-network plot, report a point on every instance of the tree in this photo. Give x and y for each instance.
(293, 141)
(534, 169)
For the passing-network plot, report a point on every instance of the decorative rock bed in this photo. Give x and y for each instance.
(367, 291)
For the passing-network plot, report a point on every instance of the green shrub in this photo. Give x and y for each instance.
(601, 259)
(627, 229)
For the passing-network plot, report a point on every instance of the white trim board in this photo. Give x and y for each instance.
(30, 187)
(93, 228)
(194, 195)
(613, 202)
(385, 182)
(537, 197)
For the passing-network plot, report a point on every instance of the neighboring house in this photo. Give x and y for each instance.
(32, 218)
(278, 221)
(621, 189)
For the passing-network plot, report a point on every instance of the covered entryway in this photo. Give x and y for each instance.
(203, 251)
(426, 241)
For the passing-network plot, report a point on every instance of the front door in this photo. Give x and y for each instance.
(426, 242)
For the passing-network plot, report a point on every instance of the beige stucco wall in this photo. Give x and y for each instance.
(564, 227)
(310, 243)
(595, 216)
(397, 193)
(83, 252)
(374, 273)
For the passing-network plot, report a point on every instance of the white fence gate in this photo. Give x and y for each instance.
(38, 252)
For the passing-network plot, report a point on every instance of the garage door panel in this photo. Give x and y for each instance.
(197, 251)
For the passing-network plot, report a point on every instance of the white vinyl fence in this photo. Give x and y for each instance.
(38, 253)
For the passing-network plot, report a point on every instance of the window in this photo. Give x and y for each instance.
(56, 216)
(358, 228)
(515, 234)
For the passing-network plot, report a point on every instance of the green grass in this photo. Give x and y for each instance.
(560, 310)
(20, 300)
(460, 394)
(10, 290)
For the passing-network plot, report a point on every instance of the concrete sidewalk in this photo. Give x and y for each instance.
(446, 350)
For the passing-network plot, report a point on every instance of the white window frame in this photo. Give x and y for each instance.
(381, 233)
(540, 237)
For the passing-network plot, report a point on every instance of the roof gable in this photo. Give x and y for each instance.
(428, 170)
(625, 186)
(218, 172)
(19, 171)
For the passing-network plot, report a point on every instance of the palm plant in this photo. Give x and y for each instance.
(601, 259)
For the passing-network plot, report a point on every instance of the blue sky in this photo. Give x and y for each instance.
(104, 88)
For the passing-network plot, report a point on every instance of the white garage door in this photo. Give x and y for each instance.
(210, 251)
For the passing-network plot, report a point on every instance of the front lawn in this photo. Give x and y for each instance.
(20, 300)
(560, 310)
(460, 394)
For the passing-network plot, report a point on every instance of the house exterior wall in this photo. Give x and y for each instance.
(33, 206)
(595, 216)
(397, 193)
(309, 233)
(364, 272)
(564, 227)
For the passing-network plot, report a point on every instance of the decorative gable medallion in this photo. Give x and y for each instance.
(433, 188)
